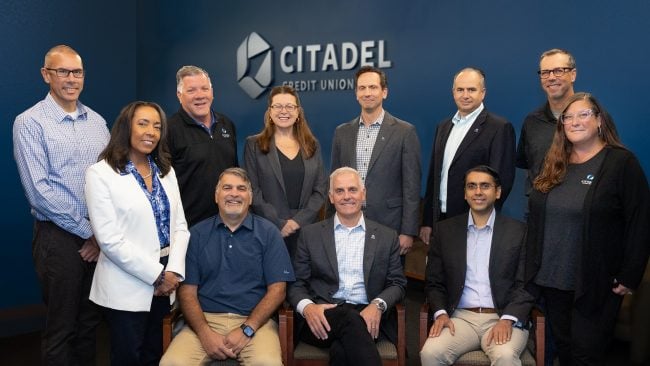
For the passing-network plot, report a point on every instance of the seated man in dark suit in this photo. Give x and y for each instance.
(474, 280)
(348, 278)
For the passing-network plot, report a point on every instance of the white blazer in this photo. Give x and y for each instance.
(125, 228)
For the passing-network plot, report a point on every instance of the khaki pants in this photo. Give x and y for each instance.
(262, 350)
(471, 332)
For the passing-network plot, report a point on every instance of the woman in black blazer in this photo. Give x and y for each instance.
(588, 235)
(285, 167)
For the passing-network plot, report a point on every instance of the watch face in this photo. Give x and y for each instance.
(248, 331)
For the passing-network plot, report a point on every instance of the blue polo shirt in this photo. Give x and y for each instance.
(232, 269)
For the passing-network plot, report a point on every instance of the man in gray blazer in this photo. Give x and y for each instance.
(348, 278)
(475, 280)
(386, 152)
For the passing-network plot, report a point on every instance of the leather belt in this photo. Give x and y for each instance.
(481, 310)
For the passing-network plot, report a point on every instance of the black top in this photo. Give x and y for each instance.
(293, 173)
(564, 226)
(198, 158)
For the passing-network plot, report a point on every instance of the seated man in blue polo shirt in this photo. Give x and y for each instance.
(237, 267)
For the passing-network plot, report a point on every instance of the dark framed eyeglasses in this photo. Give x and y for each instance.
(557, 72)
(482, 186)
(64, 73)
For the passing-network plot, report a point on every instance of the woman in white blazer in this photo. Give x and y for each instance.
(137, 218)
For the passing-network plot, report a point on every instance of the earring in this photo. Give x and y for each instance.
(600, 132)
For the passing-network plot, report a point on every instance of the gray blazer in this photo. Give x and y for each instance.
(317, 271)
(269, 191)
(393, 179)
(447, 266)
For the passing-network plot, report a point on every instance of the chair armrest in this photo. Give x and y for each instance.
(539, 322)
(401, 334)
(168, 323)
(424, 324)
(285, 314)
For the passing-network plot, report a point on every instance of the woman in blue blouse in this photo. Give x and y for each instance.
(137, 218)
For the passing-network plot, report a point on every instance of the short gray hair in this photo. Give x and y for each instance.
(345, 170)
(189, 70)
(238, 172)
(555, 51)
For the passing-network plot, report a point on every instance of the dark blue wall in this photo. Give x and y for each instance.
(104, 34)
(426, 41)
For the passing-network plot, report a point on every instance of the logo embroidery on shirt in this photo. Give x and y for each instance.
(589, 179)
(224, 133)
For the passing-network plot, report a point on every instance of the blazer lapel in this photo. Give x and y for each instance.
(349, 148)
(274, 162)
(472, 134)
(308, 180)
(329, 245)
(369, 249)
(384, 135)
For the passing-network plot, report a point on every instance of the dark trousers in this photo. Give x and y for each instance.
(136, 337)
(579, 339)
(349, 340)
(72, 319)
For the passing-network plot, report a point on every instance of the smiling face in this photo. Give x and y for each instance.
(283, 119)
(347, 195)
(233, 196)
(468, 91)
(481, 192)
(557, 87)
(582, 130)
(65, 91)
(145, 132)
(370, 94)
(196, 97)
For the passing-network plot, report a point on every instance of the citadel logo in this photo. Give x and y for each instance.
(252, 48)
(310, 67)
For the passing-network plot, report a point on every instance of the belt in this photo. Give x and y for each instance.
(164, 251)
(481, 310)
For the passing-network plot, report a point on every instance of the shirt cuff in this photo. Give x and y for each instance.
(302, 304)
(438, 313)
(509, 317)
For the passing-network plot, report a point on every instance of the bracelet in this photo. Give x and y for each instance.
(160, 279)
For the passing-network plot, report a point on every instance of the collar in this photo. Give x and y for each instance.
(470, 117)
(338, 224)
(190, 120)
(60, 114)
(377, 121)
(247, 223)
(490, 222)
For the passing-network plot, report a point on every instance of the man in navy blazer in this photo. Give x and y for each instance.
(386, 152)
(348, 278)
(475, 280)
(472, 137)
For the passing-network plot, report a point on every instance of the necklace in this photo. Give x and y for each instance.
(148, 175)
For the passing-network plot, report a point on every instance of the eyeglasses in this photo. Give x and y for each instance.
(286, 107)
(581, 116)
(558, 71)
(483, 186)
(64, 73)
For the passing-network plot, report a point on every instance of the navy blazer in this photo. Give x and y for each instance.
(447, 266)
(490, 141)
(269, 190)
(394, 174)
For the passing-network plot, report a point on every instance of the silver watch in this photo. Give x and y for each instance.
(380, 305)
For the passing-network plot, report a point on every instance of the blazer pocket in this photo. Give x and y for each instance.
(394, 202)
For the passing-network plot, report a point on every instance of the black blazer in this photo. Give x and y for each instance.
(447, 266)
(394, 174)
(317, 274)
(269, 191)
(490, 141)
(616, 236)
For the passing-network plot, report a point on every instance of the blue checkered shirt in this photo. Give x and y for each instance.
(366, 138)
(52, 151)
(350, 244)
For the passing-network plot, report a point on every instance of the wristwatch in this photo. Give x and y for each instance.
(248, 330)
(380, 305)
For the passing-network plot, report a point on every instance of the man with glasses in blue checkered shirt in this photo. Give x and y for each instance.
(54, 142)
